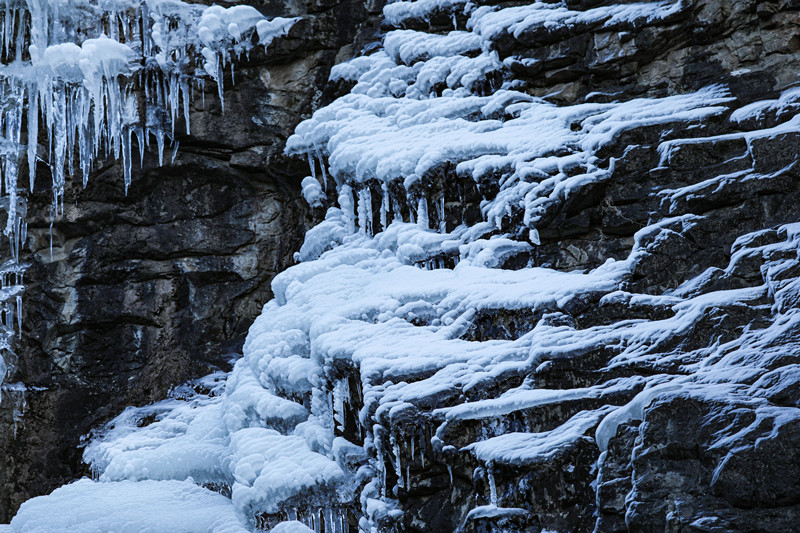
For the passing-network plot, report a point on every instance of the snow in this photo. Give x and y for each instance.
(398, 13)
(372, 134)
(86, 506)
(757, 110)
(517, 399)
(270, 468)
(525, 448)
(356, 303)
(667, 149)
(216, 439)
(408, 46)
(226, 33)
(312, 192)
(492, 511)
(291, 527)
(518, 21)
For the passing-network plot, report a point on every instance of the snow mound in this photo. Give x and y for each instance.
(148, 506)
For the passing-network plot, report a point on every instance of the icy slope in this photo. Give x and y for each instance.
(516, 315)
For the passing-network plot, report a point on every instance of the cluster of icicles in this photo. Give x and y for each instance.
(81, 79)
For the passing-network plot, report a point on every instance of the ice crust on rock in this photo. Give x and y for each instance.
(369, 341)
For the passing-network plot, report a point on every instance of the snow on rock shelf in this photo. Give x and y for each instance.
(518, 314)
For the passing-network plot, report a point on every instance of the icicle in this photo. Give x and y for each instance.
(160, 143)
(346, 203)
(220, 89)
(422, 448)
(52, 217)
(60, 146)
(20, 36)
(492, 486)
(33, 132)
(186, 97)
(126, 159)
(174, 90)
(13, 132)
(397, 214)
(322, 168)
(399, 461)
(365, 210)
(140, 140)
(450, 471)
(312, 165)
(381, 467)
(338, 406)
(23, 237)
(442, 222)
(384, 206)
(422, 213)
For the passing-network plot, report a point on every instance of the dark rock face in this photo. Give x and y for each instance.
(146, 290)
(699, 43)
(681, 481)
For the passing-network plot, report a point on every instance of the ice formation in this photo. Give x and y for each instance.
(88, 80)
(365, 365)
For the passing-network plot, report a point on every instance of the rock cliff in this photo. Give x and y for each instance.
(584, 316)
